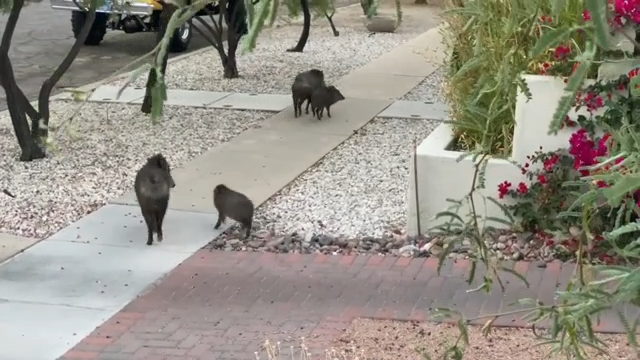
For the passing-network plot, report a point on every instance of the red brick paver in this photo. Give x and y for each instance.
(223, 305)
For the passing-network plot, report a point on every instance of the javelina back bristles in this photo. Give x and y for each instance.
(303, 86)
(230, 203)
(323, 97)
(152, 185)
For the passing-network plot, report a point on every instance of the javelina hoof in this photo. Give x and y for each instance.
(149, 242)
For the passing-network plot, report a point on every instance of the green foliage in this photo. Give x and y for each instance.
(491, 45)
(592, 290)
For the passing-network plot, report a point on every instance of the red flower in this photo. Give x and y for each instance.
(593, 101)
(633, 73)
(586, 16)
(561, 52)
(522, 188)
(550, 162)
(545, 18)
(542, 179)
(503, 189)
(601, 184)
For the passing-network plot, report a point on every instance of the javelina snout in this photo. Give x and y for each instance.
(234, 205)
(152, 185)
(303, 86)
(324, 97)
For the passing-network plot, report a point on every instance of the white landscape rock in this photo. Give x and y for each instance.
(358, 189)
(113, 141)
(271, 69)
(430, 89)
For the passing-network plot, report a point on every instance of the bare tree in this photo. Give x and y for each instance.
(233, 14)
(32, 136)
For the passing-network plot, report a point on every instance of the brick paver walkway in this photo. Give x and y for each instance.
(223, 305)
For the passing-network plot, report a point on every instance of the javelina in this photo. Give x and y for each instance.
(152, 185)
(303, 87)
(323, 97)
(234, 205)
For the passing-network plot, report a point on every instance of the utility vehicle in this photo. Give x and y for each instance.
(130, 16)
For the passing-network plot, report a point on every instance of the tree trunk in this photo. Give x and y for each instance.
(306, 27)
(230, 65)
(421, 2)
(16, 101)
(50, 83)
(165, 16)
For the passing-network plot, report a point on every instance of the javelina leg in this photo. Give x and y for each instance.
(247, 225)
(295, 108)
(159, 219)
(307, 108)
(148, 219)
(319, 112)
(221, 218)
(329, 111)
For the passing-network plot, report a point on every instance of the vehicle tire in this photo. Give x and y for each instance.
(181, 38)
(98, 29)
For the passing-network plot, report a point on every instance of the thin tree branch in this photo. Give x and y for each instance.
(211, 30)
(50, 83)
(10, 28)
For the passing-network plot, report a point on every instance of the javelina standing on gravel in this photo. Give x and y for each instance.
(152, 185)
(234, 205)
(303, 87)
(323, 97)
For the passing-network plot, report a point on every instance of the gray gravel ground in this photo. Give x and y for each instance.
(95, 160)
(430, 89)
(359, 189)
(270, 69)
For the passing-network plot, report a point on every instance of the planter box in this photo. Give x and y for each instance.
(533, 117)
(440, 178)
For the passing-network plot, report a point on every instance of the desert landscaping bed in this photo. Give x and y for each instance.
(271, 69)
(357, 191)
(96, 157)
(395, 340)
(429, 90)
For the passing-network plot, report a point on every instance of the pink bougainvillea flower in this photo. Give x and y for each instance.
(593, 101)
(586, 15)
(550, 162)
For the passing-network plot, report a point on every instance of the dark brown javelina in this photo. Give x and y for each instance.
(323, 97)
(152, 185)
(303, 87)
(232, 204)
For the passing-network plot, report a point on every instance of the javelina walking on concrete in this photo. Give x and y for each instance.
(234, 205)
(152, 185)
(303, 87)
(323, 97)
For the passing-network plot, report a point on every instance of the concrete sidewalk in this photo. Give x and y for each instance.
(260, 102)
(59, 290)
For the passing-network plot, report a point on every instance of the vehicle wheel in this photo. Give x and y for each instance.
(181, 38)
(98, 29)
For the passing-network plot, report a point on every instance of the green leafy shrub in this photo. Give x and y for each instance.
(490, 43)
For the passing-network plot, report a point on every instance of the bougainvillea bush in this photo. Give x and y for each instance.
(553, 181)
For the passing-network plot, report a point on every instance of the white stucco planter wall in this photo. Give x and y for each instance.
(440, 178)
(533, 117)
